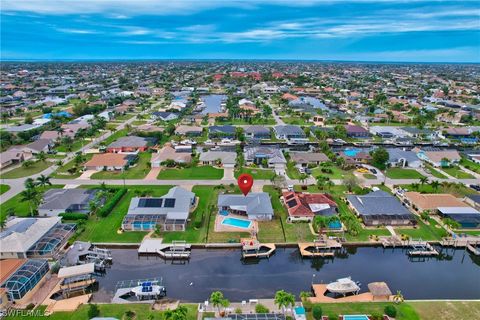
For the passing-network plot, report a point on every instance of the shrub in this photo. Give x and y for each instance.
(317, 312)
(260, 308)
(73, 216)
(390, 311)
(110, 204)
(93, 311)
(238, 311)
(376, 316)
(197, 223)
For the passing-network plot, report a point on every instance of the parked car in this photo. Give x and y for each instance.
(475, 187)
(290, 187)
(374, 171)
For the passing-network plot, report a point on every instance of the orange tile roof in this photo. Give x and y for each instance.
(8, 267)
(433, 201)
(107, 160)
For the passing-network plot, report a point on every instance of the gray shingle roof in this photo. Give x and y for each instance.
(377, 203)
(289, 130)
(273, 154)
(131, 141)
(254, 203)
(63, 199)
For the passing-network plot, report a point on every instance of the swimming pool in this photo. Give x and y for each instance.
(351, 152)
(335, 225)
(300, 310)
(237, 223)
(355, 317)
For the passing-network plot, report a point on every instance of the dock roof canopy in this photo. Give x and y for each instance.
(79, 270)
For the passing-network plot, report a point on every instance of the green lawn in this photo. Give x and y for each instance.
(21, 172)
(105, 229)
(207, 198)
(430, 232)
(292, 171)
(295, 120)
(456, 189)
(18, 207)
(114, 136)
(193, 173)
(400, 173)
(369, 176)
(470, 165)
(293, 232)
(142, 311)
(138, 171)
(458, 173)
(405, 311)
(435, 173)
(124, 117)
(62, 172)
(337, 173)
(256, 173)
(256, 121)
(4, 188)
(447, 310)
(76, 145)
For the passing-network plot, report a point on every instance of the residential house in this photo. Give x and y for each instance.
(163, 116)
(308, 158)
(255, 205)
(190, 131)
(37, 146)
(403, 158)
(110, 161)
(227, 159)
(431, 202)
(473, 200)
(13, 156)
(168, 213)
(290, 132)
(169, 153)
(221, 131)
(56, 201)
(305, 206)
(380, 208)
(258, 155)
(354, 131)
(438, 158)
(257, 132)
(130, 144)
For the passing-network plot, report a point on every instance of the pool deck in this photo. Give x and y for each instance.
(320, 290)
(219, 227)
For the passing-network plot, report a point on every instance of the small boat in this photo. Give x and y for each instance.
(343, 286)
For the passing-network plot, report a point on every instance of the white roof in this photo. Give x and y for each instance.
(21, 234)
(458, 210)
(79, 270)
(315, 207)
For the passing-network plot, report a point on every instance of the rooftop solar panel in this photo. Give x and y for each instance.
(289, 197)
(292, 203)
(169, 203)
(150, 203)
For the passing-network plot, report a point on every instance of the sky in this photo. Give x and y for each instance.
(355, 30)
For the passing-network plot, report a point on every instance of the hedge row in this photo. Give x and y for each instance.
(73, 216)
(110, 204)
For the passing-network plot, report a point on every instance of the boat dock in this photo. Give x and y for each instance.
(422, 249)
(171, 251)
(319, 248)
(473, 249)
(252, 248)
(461, 242)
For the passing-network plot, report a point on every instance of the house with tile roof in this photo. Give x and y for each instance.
(305, 206)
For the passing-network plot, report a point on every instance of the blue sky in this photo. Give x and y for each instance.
(357, 30)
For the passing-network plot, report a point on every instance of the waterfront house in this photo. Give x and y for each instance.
(130, 144)
(354, 131)
(438, 158)
(403, 158)
(431, 202)
(467, 217)
(190, 131)
(163, 116)
(56, 201)
(227, 159)
(255, 205)
(305, 206)
(110, 161)
(380, 208)
(308, 158)
(226, 131)
(257, 132)
(258, 155)
(169, 212)
(169, 153)
(473, 200)
(290, 132)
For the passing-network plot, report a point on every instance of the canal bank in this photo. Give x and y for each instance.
(453, 274)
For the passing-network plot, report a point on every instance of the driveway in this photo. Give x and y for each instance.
(87, 174)
(152, 175)
(228, 174)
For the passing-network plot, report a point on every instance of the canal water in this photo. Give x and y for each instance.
(455, 274)
(213, 103)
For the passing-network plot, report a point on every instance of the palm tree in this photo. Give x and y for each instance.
(3, 222)
(178, 314)
(435, 185)
(284, 299)
(43, 181)
(29, 183)
(398, 297)
(415, 186)
(321, 222)
(41, 156)
(216, 299)
(30, 195)
(423, 180)
(27, 164)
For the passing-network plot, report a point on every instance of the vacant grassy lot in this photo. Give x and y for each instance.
(336, 172)
(193, 173)
(447, 310)
(21, 172)
(458, 173)
(62, 172)
(435, 173)
(99, 229)
(456, 189)
(256, 173)
(138, 171)
(399, 173)
(114, 136)
(405, 311)
(117, 311)
(4, 188)
(430, 231)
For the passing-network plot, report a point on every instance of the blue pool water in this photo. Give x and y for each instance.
(224, 212)
(335, 225)
(351, 152)
(238, 223)
(355, 317)
(300, 310)
(144, 225)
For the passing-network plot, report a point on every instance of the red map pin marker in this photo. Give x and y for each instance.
(245, 183)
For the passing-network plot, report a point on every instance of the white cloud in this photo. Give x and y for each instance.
(76, 31)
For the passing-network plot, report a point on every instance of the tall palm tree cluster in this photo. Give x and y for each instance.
(32, 194)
